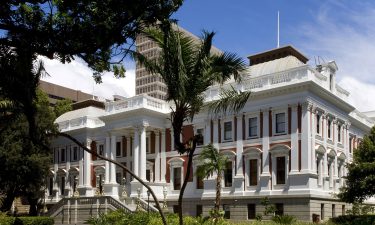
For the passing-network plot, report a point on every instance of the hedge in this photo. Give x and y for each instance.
(354, 220)
(26, 220)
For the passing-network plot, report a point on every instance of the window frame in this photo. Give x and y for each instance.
(199, 144)
(62, 153)
(274, 122)
(118, 148)
(224, 131)
(248, 118)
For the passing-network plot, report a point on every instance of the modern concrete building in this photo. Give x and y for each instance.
(147, 83)
(56, 92)
(290, 143)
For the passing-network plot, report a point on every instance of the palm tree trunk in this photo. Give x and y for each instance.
(121, 166)
(186, 179)
(218, 193)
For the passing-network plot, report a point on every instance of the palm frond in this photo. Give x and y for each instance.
(230, 101)
(211, 161)
(225, 65)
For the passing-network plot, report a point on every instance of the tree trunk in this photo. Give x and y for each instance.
(121, 166)
(186, 179)
(218, 193)
(33, 202)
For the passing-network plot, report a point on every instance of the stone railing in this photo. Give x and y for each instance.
(102, 200)
(145, 205)
(80, 122)
(136, 102)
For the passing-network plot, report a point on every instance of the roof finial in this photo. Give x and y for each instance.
(278, 29)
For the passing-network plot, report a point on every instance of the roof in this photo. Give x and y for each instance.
(276, 53)
(274, 66)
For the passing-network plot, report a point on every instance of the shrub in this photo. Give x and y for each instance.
(4, 220)
(34, 220)
(284, 219)
(354, 220)
(259, 217)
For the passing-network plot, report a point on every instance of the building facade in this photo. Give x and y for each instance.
(289, 143)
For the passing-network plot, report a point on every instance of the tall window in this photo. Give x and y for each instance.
(50, 187)
(228, 174)
(62, 155)
(253, 173)
(62, 186)
(280, 170)
(279, 209)
(350, 144)
(75, 153)
(199, 210)
(226, 210)
(329, 128)
(200, 140)
(148, 150)
(177, 178)
(253, 127)
(280, 123)
(118, 149)
(339, 133)
(318, 124)
(228, 131)
(199, 181)
(251, 211)
(101, 150)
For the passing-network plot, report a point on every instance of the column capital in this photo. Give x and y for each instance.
(294, 107)
(308, 105)
(266, 110)
(88, 141)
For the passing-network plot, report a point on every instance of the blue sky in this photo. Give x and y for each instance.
(340, 30)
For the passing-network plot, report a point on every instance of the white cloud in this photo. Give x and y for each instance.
(77, 75)
(345, 34)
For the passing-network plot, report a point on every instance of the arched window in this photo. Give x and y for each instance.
(252, 166)
(176, 171)
(229, 167)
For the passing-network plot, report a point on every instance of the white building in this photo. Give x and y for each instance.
(290, 143)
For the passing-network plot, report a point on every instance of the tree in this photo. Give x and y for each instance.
(62, 106)
(189, 68)
(212, 162)
(25, 165)
(360, 180)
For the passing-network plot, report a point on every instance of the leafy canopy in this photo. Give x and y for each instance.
(360, 181)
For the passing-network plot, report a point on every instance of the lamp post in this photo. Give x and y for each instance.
(165, 197)
(124, 194)
(148, 201)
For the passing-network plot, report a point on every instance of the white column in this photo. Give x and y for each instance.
(266, 143)
(67, 180)
(87, 165)
(163, 157)
(157, 156)
(128, 160)
(215, 133)
(112, 176)
(172, 140)
(136, 152)
(107, 154)
(306, 141)
(81, 169)
(142, 155)
(294, 140)
(239, 147)
(312, 137)
(56, 168)
(207, 133)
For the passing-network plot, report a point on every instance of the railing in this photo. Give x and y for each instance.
(88, 201)
(146, 205)
(80, 122)
(140, 101)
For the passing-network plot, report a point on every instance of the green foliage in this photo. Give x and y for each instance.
(269, 209)
(360, 209)
(25, 164)
(7, 220)
(354, 220)
(284, 219)
(62, 106)
(360, 183)
(259, 217)
(211, 161)
(34, 220)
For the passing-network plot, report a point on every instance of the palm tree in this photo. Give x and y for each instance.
(188, 69)
(211, 162)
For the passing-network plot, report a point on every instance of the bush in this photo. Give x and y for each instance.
(284, 219)
(354, 220)
(31, 220)
(7, 220)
